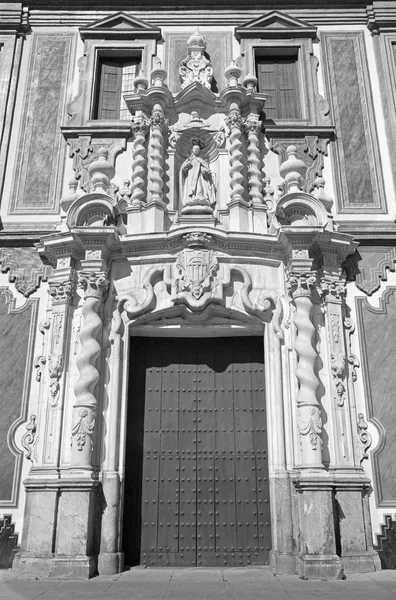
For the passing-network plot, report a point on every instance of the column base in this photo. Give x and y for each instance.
(366, 562)
(320, 566)
(110, 563)
(73, 567)
(283, 563)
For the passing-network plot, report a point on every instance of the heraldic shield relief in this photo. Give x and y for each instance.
(196, 269)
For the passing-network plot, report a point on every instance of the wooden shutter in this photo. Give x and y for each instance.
(110, 81)
(277, 77)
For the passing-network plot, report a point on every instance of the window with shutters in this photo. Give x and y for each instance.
(115, 78)
(278, 77)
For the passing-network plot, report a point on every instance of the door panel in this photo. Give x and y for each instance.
(204, 474)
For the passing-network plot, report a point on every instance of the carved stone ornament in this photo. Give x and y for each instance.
(94, 284)
(352, 358)
(61, 291)
(301, 284)
(82, 429)
(333, 290)
(196, 269)
(55, 368)
(29, 440)
(338, 373)
(181, 134)
(196, 67)
(363, 439)
(39, 362)
(310, 426)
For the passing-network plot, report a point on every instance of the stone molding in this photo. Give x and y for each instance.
(27, 279)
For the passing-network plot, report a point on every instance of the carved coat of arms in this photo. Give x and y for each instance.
(196, 269)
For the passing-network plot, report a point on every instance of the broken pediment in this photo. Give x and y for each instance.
(121, 26)
(275, 25)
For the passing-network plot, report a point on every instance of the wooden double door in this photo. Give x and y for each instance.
(196, 481)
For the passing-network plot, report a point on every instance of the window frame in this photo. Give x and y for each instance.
(251, 48)
(279, 53)
(113, 54)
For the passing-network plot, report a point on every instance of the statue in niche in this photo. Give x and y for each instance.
(196, 183)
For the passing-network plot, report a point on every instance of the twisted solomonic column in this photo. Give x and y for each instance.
(308, 408)
(84, 409)
(139, 130)
(253, 128)
(235, 124)
(156, 166)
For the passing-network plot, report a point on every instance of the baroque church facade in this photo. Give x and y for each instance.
(197, 295)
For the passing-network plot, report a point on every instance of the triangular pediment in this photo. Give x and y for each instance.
(275, 25)
(121, 25)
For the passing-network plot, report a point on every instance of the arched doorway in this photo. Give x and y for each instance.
(196, 470)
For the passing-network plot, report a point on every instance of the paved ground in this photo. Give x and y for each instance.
(200, 584)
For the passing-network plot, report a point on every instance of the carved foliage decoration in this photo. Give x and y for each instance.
(363, 439)
(311, 425)
(55, 368)
(27, 279)
(29, 440)
(338, 373)
(82, 429)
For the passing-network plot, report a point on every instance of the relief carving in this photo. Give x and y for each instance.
(55, 368)
(196, 268)
(82, 429)
(29, 440)
(338, 373)
(352, 358)
(363, 439)
(196, 67)
(311, 425)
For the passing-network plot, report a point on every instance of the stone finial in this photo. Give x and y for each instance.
(250, 82)
(101, 171)
(232, 74)
(320, 194)
(66, 202)
(268, 189)
(158, 75)
(293, 171)
(196, 42)
(140, 82)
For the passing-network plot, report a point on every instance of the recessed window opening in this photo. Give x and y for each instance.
(277, 74)
(115, 78)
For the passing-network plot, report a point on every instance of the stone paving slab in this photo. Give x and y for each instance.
(251, 583)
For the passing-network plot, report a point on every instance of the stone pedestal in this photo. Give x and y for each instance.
(259, 218)
(357, 553)
(283, 556)
(110, 560)
(36, 552)
(78, 530)
(240, 215)
(318, 557)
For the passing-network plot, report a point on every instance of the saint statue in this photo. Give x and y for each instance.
(196, 183)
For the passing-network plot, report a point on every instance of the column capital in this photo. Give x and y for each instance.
(93, 283)
(301, 284)
(62, 292)
(157, 120)
(234, 120)
(332, 290)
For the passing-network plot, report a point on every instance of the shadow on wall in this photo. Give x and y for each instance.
(386, 544)
(8, 542)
